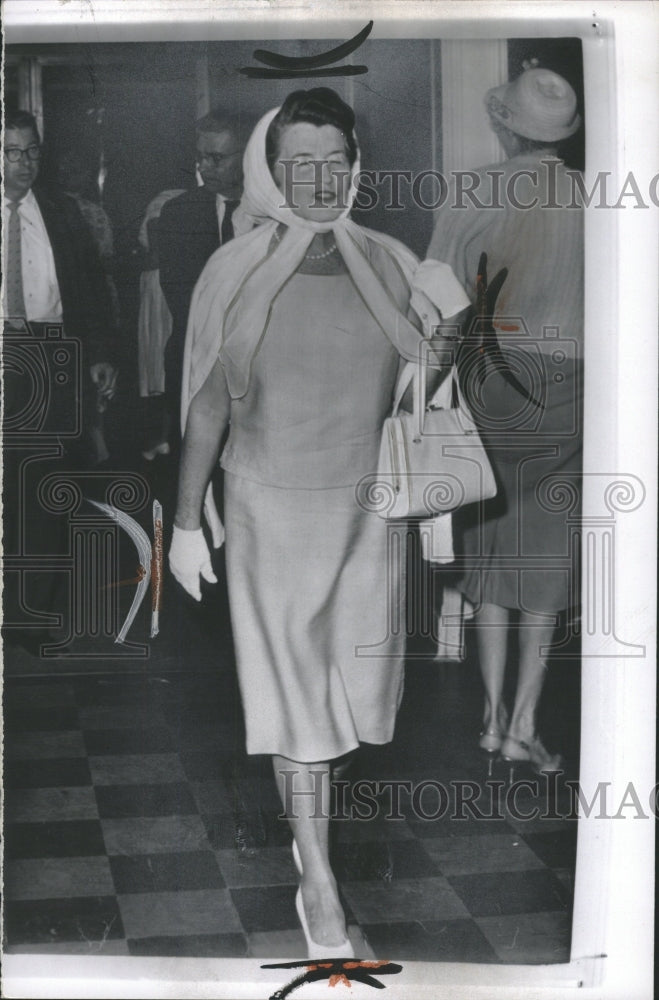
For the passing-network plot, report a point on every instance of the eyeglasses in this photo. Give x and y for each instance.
(15, 153)
(217, 159)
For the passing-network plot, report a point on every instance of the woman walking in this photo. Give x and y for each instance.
(297, 334)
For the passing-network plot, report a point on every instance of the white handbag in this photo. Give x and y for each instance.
(432, 460)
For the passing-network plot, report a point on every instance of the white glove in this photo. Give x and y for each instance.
(437, 282)
(188, 557)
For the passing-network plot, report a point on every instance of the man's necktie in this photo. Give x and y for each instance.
(227, 228)
(15, 299)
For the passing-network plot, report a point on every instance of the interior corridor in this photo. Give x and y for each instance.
(136, 825)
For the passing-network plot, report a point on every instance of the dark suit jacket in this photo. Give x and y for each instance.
(187, 236)
(86, 305)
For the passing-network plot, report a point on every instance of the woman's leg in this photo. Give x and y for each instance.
(492, 637)
(531, 676)
(308, 816)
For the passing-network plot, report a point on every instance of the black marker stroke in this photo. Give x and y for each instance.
(260, 73)
(312, 62)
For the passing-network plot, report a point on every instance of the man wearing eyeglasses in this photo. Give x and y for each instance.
(52, 271)
(53, 290)
(193, 226)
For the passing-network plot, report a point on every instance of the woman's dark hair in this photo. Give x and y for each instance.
(318, 106)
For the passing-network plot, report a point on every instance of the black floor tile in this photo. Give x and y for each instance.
(496, 894)
(171, 799)
(154, 739)
(211, 738)
(70, 839)
(47, 921)
(252, 780)
(452, 826)
(404, 900)
(246, 832)
(531, 796)
(277, 830)
(191, 946)
(38, 693)
(200, 710)
(53, 744)
(135, 769)
(121, 691)
(538, 939)
(58, 772)
(456, 805)
(267, 866)
(135, 835)
(270, 908)
(40, 805)
(382, 860)
(430, 941)
(124, 717)
(166, 872)
(25, 720)
(557, 849)
(58, 878)
(200, 765)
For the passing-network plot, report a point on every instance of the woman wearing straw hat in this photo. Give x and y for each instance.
(297, 332)
(516, 547)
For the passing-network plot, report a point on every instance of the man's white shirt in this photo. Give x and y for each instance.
(41, 292)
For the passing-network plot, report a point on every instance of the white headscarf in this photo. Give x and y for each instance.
(262, 200)
(232, 299)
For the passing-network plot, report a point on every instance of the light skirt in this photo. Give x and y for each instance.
(316, 610)
(154, 327)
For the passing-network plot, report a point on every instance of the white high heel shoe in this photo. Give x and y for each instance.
(530, 754)
(342, 950)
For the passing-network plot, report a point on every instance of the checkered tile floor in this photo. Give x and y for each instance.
(134, 825)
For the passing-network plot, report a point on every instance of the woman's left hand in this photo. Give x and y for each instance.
(189, 558)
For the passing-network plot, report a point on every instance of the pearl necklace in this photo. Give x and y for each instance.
(311, 256)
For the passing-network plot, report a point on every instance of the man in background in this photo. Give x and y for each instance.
(54, 289)
(52, 270)
(193, 226)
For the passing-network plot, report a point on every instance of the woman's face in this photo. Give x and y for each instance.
(312, 171)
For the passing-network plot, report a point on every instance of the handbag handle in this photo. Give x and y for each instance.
(443, 397)
(411, 372)
(403, 382)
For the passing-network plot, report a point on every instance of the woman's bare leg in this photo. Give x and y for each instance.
(308, 816)
(492, 636)
(531, 676)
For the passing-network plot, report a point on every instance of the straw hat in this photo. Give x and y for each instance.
(539, 105)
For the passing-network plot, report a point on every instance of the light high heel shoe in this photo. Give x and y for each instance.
(489, 744)
(342, 950)
(158, 449)
(491, 740)
(531, 755)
